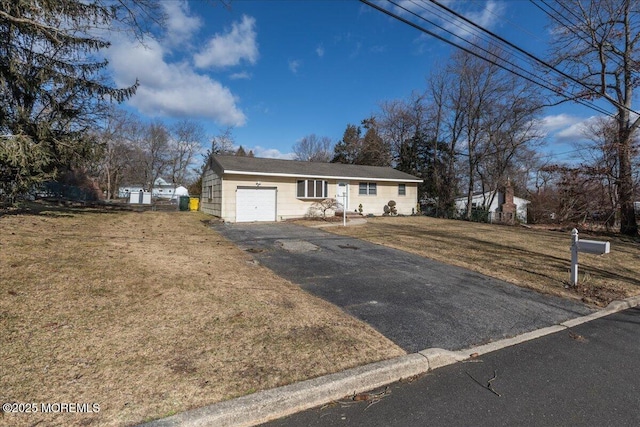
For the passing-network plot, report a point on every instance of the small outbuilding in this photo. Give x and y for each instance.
(246, 189)
(502, 205)
(161, 189)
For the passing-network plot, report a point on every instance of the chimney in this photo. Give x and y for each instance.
(508, 208)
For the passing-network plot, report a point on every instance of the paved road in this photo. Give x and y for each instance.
(415, 302)
(586, 376)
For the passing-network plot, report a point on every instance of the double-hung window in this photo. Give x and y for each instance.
(367, 189)
(312, 189)
(402, 189)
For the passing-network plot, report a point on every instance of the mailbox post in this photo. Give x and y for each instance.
(574, 257)
(587, 246)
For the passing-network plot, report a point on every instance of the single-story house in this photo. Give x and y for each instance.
(502, 205)
(246, 189)
(161, 189)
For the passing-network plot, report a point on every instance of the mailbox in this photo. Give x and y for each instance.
(593, 247)
(585, 246)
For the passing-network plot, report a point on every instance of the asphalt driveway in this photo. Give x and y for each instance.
(416, 302)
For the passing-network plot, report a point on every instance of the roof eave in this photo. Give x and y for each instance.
(292, 175)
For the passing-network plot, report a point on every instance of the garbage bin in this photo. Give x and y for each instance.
(194, 203)
(184, 203)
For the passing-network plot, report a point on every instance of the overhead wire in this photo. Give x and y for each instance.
(565, 22)
(470, 29)
(526, 53)
(471, 52)
(433, 9)
(532, 78)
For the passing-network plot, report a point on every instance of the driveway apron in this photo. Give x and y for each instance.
(416, 302)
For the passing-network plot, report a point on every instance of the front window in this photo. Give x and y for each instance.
(368, 188)
(402, 189)
(312, 189)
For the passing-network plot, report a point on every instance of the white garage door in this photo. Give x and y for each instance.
(255, 204)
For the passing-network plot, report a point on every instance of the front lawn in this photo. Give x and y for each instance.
(150, 314)
(532, 258)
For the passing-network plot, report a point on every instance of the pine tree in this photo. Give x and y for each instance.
(52, 86)
(347, 149)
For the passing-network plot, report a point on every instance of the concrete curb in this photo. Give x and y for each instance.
(276, 403)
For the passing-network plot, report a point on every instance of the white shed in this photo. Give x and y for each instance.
(495, 203)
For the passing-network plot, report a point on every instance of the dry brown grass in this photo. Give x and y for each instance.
(149, 314)
(536, 259)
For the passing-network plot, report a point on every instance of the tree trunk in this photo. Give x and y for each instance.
(470, 190)
(628, 224)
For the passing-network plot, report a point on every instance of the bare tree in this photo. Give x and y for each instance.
(493, 114)
(313, 148)
(185, 143)
(151, 153)
(599, 163)
(596, 42)
(478, 84)
(447, 125)
(512, 131)
(117, 151)
(223, 143)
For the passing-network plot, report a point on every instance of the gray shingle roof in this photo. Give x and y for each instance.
(279, 167)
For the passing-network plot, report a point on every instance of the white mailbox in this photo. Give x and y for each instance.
(593, 247)
(585, 246)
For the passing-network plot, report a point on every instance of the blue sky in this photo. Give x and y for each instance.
(276, 71)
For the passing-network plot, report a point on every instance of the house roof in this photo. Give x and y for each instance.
(241, 165)
(486, 194)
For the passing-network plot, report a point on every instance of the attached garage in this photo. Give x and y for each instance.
(255, 204)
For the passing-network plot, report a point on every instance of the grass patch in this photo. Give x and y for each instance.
(149, 314)
(532, 258)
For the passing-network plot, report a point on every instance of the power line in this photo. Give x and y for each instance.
(535, 80)
(430, 8)
(526, 53)
(565, 22)
(467, 50)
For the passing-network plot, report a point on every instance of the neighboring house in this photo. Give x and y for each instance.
(245, 189)
(161, 189)
(504, 207)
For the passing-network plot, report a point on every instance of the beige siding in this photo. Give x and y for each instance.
(211, 199)
(386, 191)
(223, 202)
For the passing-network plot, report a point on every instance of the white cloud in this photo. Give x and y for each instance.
(171, 89)
(488, 16)
(294, 64)
(320, 51)
(180, 24)
(240, 76)
(574, 132)
(565, 128)
(270, 153)
(231, 48)
(558, 121)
